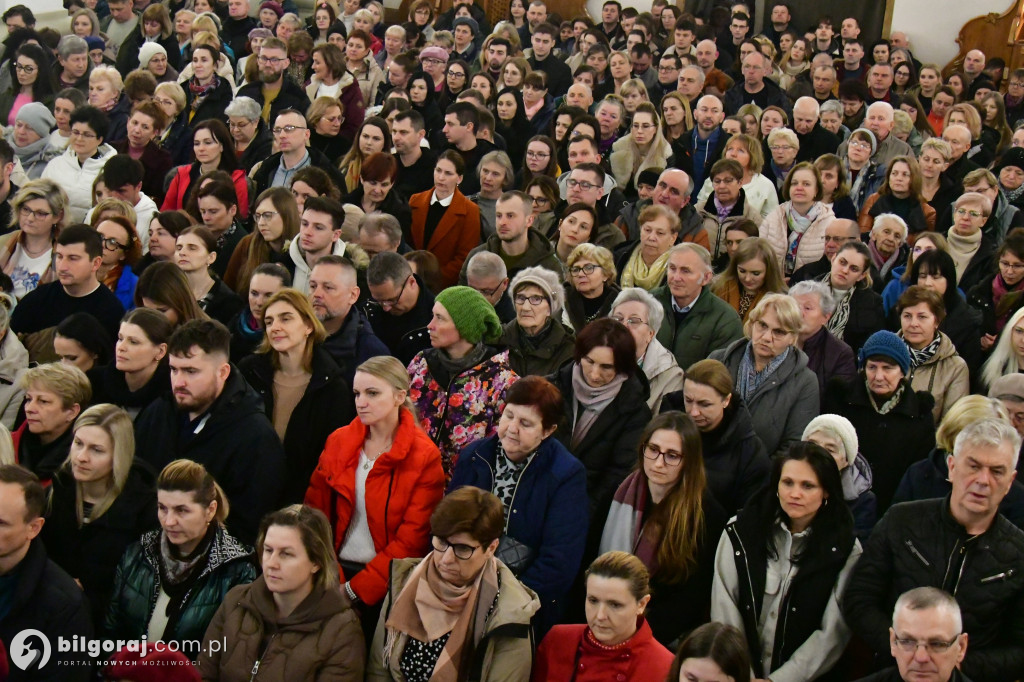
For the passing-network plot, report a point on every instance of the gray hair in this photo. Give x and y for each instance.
(396, 31)
(244, 107)
(387, 266)
(701, 76)
(833, 106)
(551, 282)
(810, 103)
(992, 433)
(786, 134)
(382, 223)
(655, 313)
(615, 102)
(922, 598)
(291, 18)
(881, 106)
(501, 158)
(692, 247)
(884, 218)
(72, 45)
(486, 264)
(826, 301)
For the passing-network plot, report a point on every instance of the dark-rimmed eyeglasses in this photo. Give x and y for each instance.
(461, 552)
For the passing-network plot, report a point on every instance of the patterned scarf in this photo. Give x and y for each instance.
(749, 379)
(625, 531)
(837, 323)
(919, 357)
(429, 607)
(638, 274)
(506, 477)
(724, 211)
(889, 404)
(798, 225)
(1014, 194)
(201, 92)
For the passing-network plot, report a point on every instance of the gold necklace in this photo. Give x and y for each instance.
(369, 462)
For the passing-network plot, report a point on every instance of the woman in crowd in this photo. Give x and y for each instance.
(372, 137)
(541, 160)
(885, 409)
(512, 124)
(39, 211)
(360, 63)
(538, 342)
(247, 327)
(783, 146)
(771, 375)
(616, 641)
(121, 251)
(101, 501)
(55, 394)
(835, 187)
(80, 340)
(644, 147)
(887, 243)
(76, 169)
(671, 522)
(514, 73)
(756, 572)
(998, 295)
(643, 316)
(900, 194)
(827, 356)
(865, 177)
(453, 234)
(196, 251)
(163, 287)
(643, 262)
(971, 248)
(1007, 355)
(939, 190)
(794, 63)
(591, 286)
(155, 60)
(252, 138)
(935, 270)
(106, 93)
(458, 385)
(35, 82)
(1010, 172)
(676, 116)
(751, 273)
(296, 377)
(859, 310)
(277, 223)
(714, 652)
(579, 225)
(796, 229)
(311, 182)
(541, 486)
(316, 629)
(139, 374)
(164, 228)
(376, 191)
(444, 611)
(215, 203)
(424, 100)
(170, 583)
(214, 149)
(545, 194)
(838, 438)
(725, 206)
(456, 79)
(177, 136)
(606, 404)
(325, 118)
(900, 274)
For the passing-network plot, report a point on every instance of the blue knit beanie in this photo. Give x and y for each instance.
(887, 345)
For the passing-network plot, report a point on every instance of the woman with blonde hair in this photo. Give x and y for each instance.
(38, 212)
(1006, 357)
(759, 192)
(101, 500)
(796, 61)
(378, 479)
(835, 186)
(106, 93)
(644, 147)
(633, 92)
(277, 223)
(591, 286)
(753, 271)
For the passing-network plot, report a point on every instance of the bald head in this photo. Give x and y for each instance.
(838, 232)
(974, 63)
(673, 190)
(707, 53)
(899, 39)
(959, 139)
(805, 115)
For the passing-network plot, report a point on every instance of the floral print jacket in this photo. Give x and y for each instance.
(464, 411)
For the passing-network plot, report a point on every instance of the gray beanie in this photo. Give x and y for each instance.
(546, 281)
(148, 51)
(837, 427)
(38, 118)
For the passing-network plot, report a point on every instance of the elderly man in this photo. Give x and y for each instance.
(959, 139)
(827, 356)
(696, 321)
(380, 232)
(580, 95)
(486, 272)
(697, 150)
(880, 77)
(73, 56)
(838, 232)
(960, 544)
(879, 120)
(691, 84)
(927, 639)
(814, 140)
(755, 88)
(236, 27)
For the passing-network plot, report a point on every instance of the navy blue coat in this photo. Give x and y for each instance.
(547, 514)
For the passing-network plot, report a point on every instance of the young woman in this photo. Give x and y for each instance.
(900, 194)
(296, 377)
(714, 652)
(247, 328)
(576, 227)
(196, 250)
(372, 137)
(214, 149)
(995, 131)
(80, 340)
(671, 523)
(163, 287)
(799, 514)
(34, 82)
(277, 223)
(752, 272)
(835, 188)
(121, 251)
(207, 93)
(1008, 353)
(316, 629)
(796, 61)
(644, 147)
(170, 583)
(998, 296)
(900, 279)
(541, 160)
(139, 373)
(676, 116)
(101, 500)
(512, 124)
(859, 310)
(538, 105)
(796, 230)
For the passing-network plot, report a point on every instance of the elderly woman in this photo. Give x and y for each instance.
(154, 58)
(643, 263)
(796, 229)
(726, 206)
(76, 169)
(752, 272)
(838, 437)
(106, 93)
(1004, 216)
(458, 385)
(29, 138)
(177, 136)
(885, 409)
(972, 250)
(859, 310)
(607, 408)
(332, 79)
(784, 147)
(542, 487)
(865, 177)
(591, 286)
(537, 341)
(644, 147)
(423, 632)
(759, 193)
(770, 373)
(376, 191)
(900, 194)
(643, 315)
(887, 243)
(253, 141)
(1010, 171)
(935, 366)
(827, 356)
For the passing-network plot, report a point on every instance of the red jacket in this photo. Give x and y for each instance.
(402, 489)
(641, 659)
(174, 200)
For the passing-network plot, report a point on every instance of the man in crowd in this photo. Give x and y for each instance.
(236, 27)
(852, 66)
(291, 135)
(823, 82)
(814, 140)
(824, 38)
(715, 80)
(780, 18)
(739, 31)
(691, 84)
(682, 39)
(879, 120)
(754, 88)
(215, 418)
(121, 175)
(415, 163)
(397, 75)
(461, 121)
(669, 66)
(580, 95)
(705, 144)
(275, 90)
(402, 305)
(880, 79)
(543, 42)
(319, 236)
(73, 57)
(497, 54)
(536, 14)
(379, 232)
(611, 14)
(959, 139)
(517, 245)
(960, 544)
(120, 24)
(486, 272)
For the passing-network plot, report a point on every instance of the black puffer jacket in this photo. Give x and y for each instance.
(920, 544)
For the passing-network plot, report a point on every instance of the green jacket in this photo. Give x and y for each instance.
(539, 251)
(711, 324)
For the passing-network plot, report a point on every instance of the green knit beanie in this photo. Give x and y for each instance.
(473, 316)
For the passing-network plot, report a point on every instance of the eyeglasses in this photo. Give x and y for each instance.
(461, 552)
(959, 213)
(1007, 265)
(781, 147)
(666, 69)
(433, 61)
(83, 134)
(653, 452)
(587, 269)
(111, 244)
(165, 102)
(760, 329)
(932, 646)
(860, 145)
(237, 126)
(631, 322)
(490, 292)
(582, 184)
(537, 155)
(27, 212)
(27, 68)
(1015, 84)
(456, 74)
(266, 215)
(727, 180)
(287, 129)
(270, 60)
(386, 303)
(534, 300)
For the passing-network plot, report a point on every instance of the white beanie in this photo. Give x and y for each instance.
(838, 427)
(148, 51)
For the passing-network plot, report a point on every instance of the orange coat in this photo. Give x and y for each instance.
(456, 235)
(402, 489)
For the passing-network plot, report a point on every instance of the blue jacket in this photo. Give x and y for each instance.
(125, 289)
(547, 514)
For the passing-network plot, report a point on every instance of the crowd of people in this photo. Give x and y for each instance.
(678, 345)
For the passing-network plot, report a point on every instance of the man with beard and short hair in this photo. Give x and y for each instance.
(497, 55)
(697, 150)
(275, 90)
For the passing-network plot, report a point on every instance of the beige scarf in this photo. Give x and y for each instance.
(638, 274)
(962, 249)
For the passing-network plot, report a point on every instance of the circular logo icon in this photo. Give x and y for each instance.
(30, 650)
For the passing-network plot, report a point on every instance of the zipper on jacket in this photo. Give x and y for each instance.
(387, 507)
(913, 550)
(1005, 575)
(949, 564)
(256, 665)
(512, 504)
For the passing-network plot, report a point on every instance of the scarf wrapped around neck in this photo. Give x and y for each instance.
(881, 262)
(920, 357)
(638, 274)
(962, 249)
(625, 531)
(429, 607)
(749, 379)
(201, 92)
(1014, 194)
(999, 290)
(798, 225)
(837, 323)
(593, 400)
(892, 402)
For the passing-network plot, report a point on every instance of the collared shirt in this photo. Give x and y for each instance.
(446, 202)
(282, 176)
(678, 309)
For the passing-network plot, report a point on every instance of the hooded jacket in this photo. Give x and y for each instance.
(856, 479)
(300, 268)
(76, 178)
(320, 640)
(944, 375)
